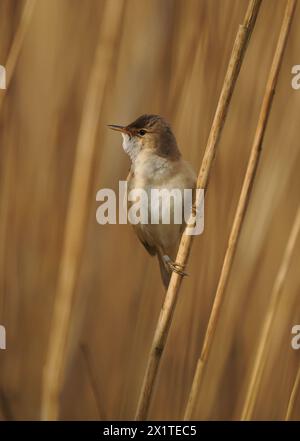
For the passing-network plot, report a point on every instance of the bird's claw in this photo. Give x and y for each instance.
(174, 266)
(177, 268)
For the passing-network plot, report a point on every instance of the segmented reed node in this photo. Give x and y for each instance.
(168, 308)
(241, 209)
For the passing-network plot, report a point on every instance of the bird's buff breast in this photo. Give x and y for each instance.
(157, 173)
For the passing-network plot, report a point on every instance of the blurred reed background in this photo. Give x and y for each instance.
(167, 57)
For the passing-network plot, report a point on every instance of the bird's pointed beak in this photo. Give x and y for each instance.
(118, 128)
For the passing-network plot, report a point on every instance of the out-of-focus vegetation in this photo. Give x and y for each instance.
(169, 58)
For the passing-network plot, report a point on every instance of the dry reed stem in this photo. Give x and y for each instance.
(77, 211)
(5, 193)
(241, 210)
(260, 357)
(93, 380)
(18, 43)
(168, 308)
(10, 65)
(293, 396)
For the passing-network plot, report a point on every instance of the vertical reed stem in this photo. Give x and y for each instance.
(10, 65)
(260, 357)
(168, 308)
(293, 397)
(7, 178)
(241, 209)
(77, 211)
(17, 43)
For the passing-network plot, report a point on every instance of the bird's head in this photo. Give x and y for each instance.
(151, 133)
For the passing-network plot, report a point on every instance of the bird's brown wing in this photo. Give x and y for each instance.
(150, 248)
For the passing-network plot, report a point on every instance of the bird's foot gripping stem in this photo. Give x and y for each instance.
(174, 266)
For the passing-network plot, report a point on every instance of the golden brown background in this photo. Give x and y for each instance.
(167, 57)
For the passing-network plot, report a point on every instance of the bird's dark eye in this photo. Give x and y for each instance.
(142, 132)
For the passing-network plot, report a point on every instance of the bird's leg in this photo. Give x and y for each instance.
(174, 266)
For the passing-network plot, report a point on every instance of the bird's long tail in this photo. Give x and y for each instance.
(164, 271)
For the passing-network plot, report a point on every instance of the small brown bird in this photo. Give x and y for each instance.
(156, 163)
